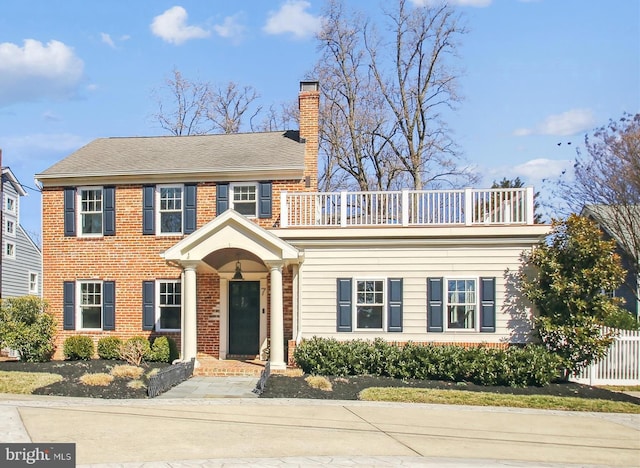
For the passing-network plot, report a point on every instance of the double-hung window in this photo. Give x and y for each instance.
(33, 283)
(90, 211)
(10, 250)
(462, 303)
(169, 205)
(369, 304)
(10, 205)
(169, 305)
(89, 305)
(10, 227)
(244, 199)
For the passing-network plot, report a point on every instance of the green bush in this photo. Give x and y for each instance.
(135, 350)
(27, 327)
(109, 347)
(514, 366)
(78, 348)
(160, 351)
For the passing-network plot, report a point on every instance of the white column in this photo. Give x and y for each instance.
(189, 309)
(276, 350)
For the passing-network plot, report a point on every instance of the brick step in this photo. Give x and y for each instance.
(209, 367)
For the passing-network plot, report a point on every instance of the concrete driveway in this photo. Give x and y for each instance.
(259, 432)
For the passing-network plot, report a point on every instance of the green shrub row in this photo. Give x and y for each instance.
(135, 349)
(514, 366)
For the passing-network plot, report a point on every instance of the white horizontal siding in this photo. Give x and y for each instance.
(323, 265)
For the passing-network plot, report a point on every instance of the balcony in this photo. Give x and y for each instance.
(466, 207)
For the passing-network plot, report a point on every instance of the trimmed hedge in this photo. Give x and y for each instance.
(78, 348)
(163, 349)
(109, 347)
(514, 366)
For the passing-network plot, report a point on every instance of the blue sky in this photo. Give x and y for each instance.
(535, 72)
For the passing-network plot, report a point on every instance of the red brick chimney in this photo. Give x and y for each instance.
(309, 106)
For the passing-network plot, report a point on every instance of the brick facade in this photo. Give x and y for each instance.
(129, 257)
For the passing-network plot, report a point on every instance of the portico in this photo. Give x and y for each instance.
(229, 241)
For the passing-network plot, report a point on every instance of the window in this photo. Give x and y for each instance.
(33, 283)
(169, 305)
(244, 199)
(10, 227)
(10, 250)
(90, 211)
(90, 305)
(10, 204)
(369, 304)
(170, 209)
(461, 304)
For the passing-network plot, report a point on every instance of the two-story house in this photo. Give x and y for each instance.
(21, 272)
(224, 243)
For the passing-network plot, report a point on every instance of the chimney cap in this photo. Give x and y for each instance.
(309, 86)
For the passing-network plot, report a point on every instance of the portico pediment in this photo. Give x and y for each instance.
(232, 230)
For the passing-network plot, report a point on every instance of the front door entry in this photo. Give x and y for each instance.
(244, 318)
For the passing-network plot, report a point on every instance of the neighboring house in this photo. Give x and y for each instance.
(224, 243)
(21, 257)
(625, 240)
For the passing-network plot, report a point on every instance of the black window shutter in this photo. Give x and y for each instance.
(69, 305)
(264, 200)
(148, 305)
(435, 315)
(344, 305)
(394, 312)
(190, 208)
(148, 209)
(70, 211)
(487, 305)
(222, 198)
(109, 211)
(109, 305)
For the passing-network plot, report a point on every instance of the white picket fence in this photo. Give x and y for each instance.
(621, 365)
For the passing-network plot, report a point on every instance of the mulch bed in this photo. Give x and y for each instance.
(280, 386)
(71, 371)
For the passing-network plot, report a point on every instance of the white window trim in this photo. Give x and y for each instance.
(37, 283)
(79, 284)
(232, 187)
(15, 205)
(158, 308)
(158, 212)
(80, 212)
(6, 227)
(354, 317)
(445, 303)
(6, 247)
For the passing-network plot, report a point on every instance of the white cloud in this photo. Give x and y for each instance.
(231, 27)
(471, 3)
(292, 18)
(38, 71)
(171, 26)
(106, 38)
(541, 168)
(568, 123)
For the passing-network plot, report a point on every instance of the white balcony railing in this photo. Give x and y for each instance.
(407, 208)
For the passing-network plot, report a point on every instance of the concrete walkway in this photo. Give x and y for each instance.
(226, 432)
(213, 387)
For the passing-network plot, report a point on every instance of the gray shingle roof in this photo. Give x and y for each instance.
(210, 154)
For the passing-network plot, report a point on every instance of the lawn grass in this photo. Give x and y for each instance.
(25, 382)
(462, 397)
(621, 388)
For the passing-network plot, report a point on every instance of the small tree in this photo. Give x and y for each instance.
(568, 276)
(27, 327)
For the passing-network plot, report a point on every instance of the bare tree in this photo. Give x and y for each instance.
(182, 106)
(284, 116)
(227, 106)
(197, 107)
(352, 115)
(606, 180)
(417, 87)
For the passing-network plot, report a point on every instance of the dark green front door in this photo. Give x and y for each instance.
(244, 317)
